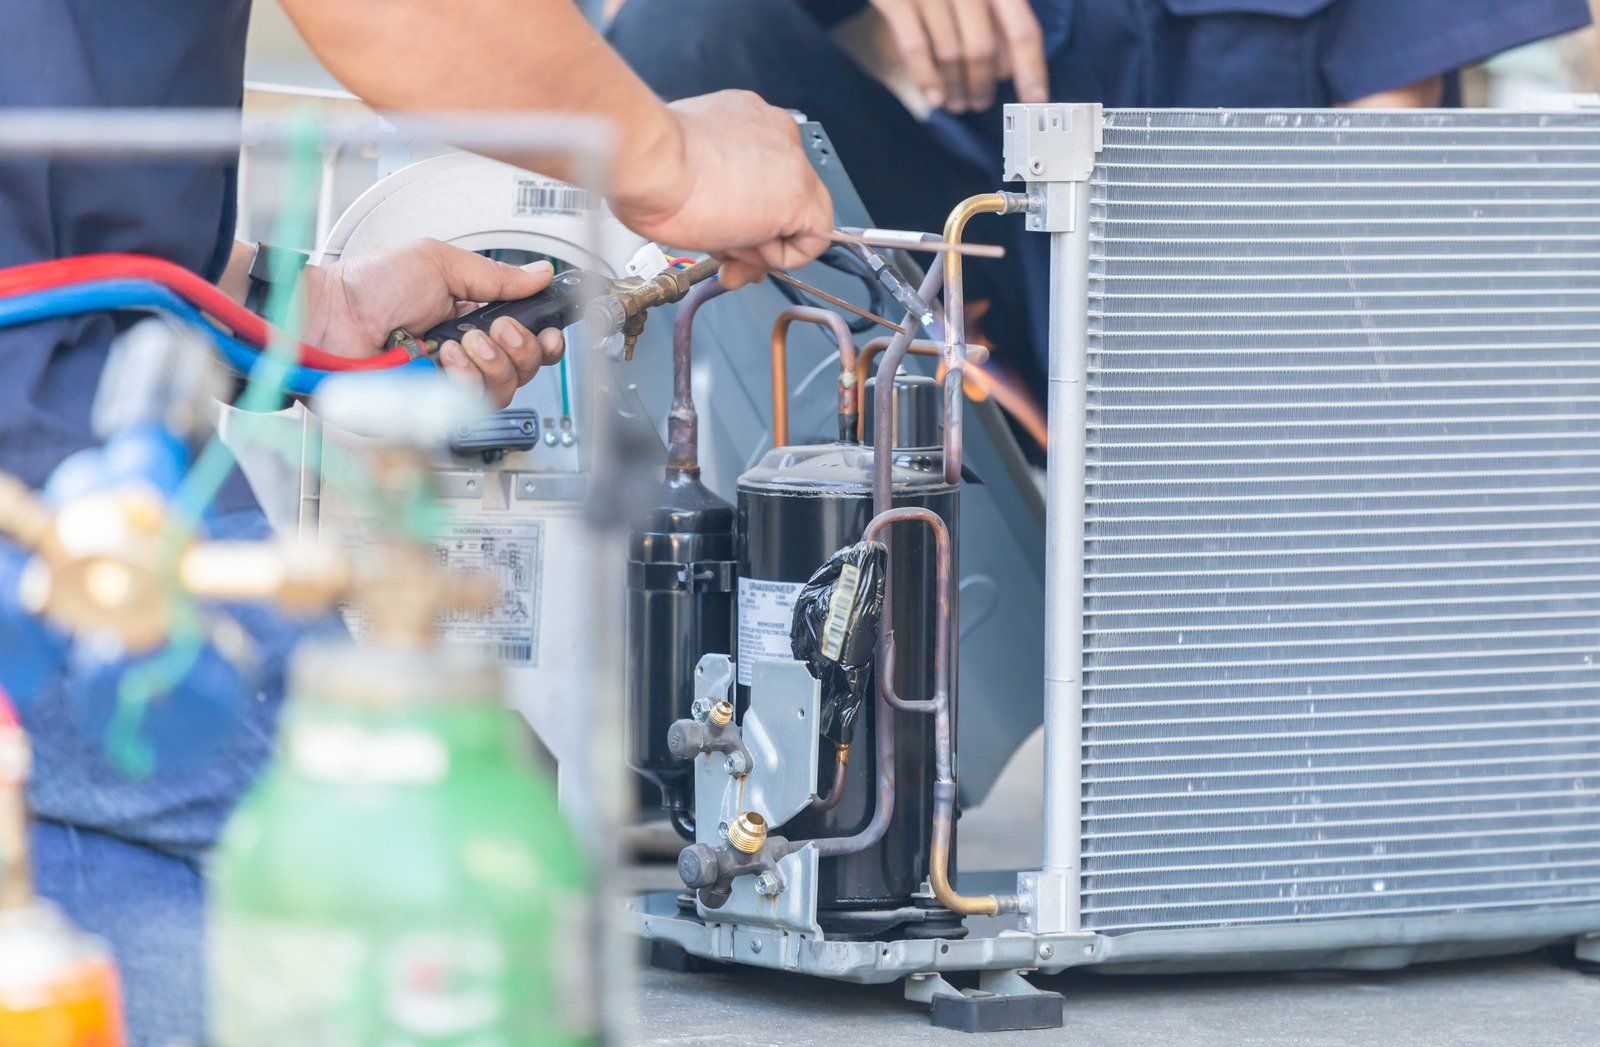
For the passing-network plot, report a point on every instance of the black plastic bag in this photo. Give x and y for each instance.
(835, 632)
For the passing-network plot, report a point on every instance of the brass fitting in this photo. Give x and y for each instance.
(721, 713)
(747, 832)
(624, 308)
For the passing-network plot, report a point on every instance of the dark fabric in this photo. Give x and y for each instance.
(77, 53)
(1129, 53)
(135, 883)
(907, 175)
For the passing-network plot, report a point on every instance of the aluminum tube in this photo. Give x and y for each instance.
(1064, 515)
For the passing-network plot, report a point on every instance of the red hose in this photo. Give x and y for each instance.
(40, 276)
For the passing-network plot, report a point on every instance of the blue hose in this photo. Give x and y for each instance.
(99, 296)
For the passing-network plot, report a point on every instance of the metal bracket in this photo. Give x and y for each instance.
(779, 730)
(792, 909)
(1046, 903)
(1053, 148)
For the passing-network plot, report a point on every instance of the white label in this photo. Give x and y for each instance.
(766, 611)
(508, 549)
(356, 755)
(539, 196)
(840, 605)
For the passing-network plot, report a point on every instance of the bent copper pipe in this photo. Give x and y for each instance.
(979, 384)
(955, 318)
(841, 765)
(849, 411)
(683, 423)
(882, 480)
(944, 786)
(884, 724)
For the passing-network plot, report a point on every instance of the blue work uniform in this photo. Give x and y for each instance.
(122, 857)
(1123, 53)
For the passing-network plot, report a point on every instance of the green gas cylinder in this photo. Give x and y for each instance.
(401, 874)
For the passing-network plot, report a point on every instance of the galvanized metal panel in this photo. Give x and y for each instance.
(1342, 538)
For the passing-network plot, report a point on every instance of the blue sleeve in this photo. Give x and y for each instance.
(210, 737)
(1379, 45)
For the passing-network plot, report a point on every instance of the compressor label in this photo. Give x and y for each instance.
(766, 610)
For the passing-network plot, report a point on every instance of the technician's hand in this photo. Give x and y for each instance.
(727, 176)
(957, 50)
(351, 306)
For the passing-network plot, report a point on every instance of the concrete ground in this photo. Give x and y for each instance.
(1523, 1001)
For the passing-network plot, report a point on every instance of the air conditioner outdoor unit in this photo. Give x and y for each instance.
(1323, 551)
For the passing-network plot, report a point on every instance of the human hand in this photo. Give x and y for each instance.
(351, 306)
(730, 178)
(957, 50)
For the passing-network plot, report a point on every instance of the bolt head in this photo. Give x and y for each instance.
(768, 884)
(737, 764)
(1046, 951)
(701, 708)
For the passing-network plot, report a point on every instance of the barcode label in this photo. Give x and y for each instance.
(840, 606)
(535, 197)
(505, 652)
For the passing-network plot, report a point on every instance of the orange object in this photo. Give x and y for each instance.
(77, 1006)
(58, 986)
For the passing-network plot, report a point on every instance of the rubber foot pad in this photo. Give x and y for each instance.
(983, 1012)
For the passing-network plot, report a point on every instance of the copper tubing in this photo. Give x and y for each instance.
(882, 496)
(979, 385)
(683, 423)
(944, 786)
(955, 320)
(849, 411)
(841, 764)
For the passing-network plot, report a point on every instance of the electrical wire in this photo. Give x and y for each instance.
(64, 272)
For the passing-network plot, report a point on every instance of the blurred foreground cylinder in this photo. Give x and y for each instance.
(680, 607)
(797, 507)
(401, 874)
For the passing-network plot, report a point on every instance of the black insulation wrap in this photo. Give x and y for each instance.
(835, 632)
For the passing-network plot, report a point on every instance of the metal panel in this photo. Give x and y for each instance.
(1342, 535)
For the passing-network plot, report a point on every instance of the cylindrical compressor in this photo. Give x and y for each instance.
(796, 508)
(680, 607)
